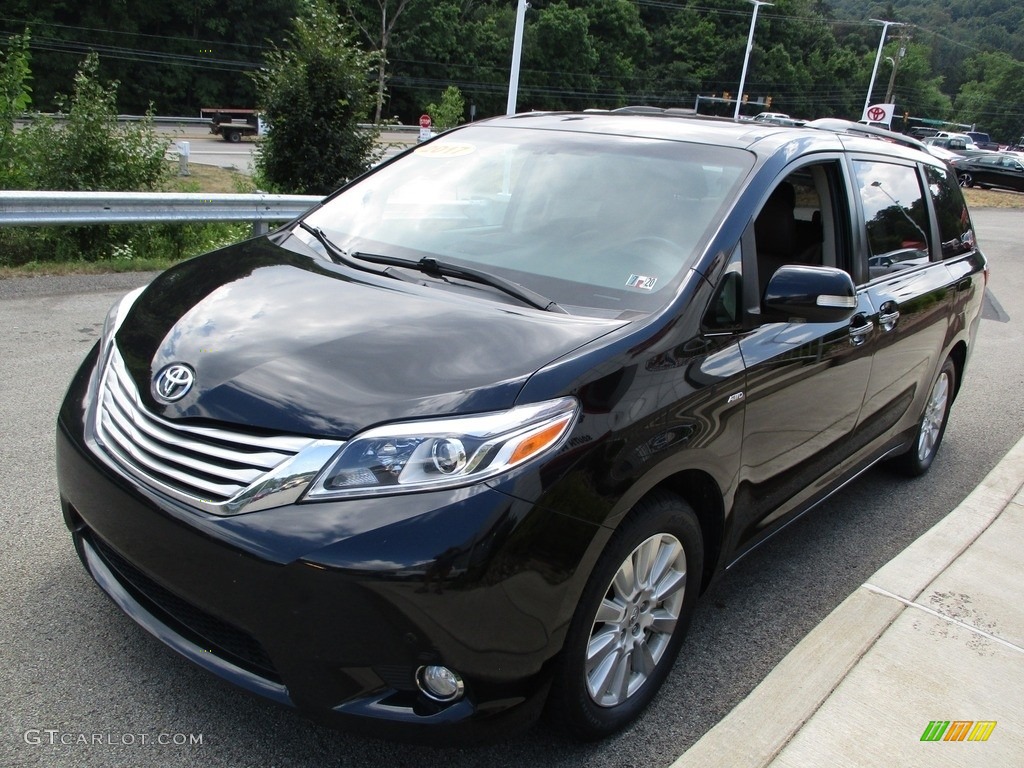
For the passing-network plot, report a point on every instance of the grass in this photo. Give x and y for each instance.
(208, 178)
(993, 198)
(40, 268)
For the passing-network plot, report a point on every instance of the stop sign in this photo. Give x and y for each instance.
(424, 121)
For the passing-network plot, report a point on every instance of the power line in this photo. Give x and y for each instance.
(167, 38)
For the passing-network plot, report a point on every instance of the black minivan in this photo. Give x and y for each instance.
(465, 443)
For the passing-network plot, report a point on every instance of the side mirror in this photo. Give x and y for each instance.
(812, 294)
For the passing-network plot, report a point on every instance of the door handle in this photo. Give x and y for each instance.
(859, 333)
(888, 316)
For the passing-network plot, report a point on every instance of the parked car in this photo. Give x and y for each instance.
(466, 442)
(943, 154)
(997, 169)
(983, 141)
(961, 144)
(768, 117)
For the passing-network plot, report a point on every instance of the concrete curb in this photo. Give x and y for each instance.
(768, 719)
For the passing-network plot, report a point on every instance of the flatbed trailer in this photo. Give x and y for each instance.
(233, 124)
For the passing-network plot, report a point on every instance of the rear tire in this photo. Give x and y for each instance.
(932, 425)
(630, 621)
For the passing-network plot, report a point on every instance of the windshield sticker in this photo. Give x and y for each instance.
(445, 150)
(642, 282)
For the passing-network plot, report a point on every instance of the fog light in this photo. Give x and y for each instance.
(439, 683)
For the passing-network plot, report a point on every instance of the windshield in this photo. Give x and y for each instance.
(603, 225)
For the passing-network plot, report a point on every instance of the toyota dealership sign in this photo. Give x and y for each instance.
(879, 113)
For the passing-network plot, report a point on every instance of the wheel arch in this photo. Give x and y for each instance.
(958, 354)
(702, 493)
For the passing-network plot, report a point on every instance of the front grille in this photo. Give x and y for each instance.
(219, 637)
(206, 464)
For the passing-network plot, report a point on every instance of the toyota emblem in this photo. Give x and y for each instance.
(174, 382)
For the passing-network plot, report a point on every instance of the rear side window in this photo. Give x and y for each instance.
(896, 215)
(955, 230)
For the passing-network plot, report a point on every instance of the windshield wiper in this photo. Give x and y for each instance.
(441, 269)
(339, 256)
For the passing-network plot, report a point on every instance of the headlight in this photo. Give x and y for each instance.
(427, 455)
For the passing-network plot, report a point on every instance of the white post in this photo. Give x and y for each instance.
(746, 56)
(517, 51)
(183, 153)
(878, 57)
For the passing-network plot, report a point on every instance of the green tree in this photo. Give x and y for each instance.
(560, 59)
(182, 56)
(378, 27)
(994, 96)
(15, 98)
(313, 93)
(450, 111)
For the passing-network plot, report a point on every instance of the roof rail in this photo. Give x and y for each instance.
(639, 109)
(848, 126)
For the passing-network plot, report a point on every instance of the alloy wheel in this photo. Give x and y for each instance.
(934, 418)
(635, 620)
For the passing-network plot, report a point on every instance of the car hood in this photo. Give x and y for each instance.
(285, 342)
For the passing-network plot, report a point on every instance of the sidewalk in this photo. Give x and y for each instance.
(937, 634)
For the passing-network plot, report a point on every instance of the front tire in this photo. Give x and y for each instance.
(631, 620)
(932, 425)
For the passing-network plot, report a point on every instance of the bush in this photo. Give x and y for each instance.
(449, 113)
(84, 149)
(313, 94)
(89, 149)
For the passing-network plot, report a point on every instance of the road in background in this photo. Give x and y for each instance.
(82, 685)
(206, 148)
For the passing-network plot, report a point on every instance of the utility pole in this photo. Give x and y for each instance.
(896, 66)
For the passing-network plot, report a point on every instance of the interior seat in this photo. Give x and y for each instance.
(775, 233)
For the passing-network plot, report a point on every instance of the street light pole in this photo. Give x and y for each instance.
(878, 58)
(746, 57)
(517, 50)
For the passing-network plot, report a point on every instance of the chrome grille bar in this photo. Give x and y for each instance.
(220, 470)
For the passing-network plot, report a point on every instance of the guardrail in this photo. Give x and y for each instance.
(38, 209)
(205, 121)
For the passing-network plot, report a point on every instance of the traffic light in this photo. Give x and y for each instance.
(767, 102)
(745, 97)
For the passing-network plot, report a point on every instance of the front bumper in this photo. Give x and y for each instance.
(332, 607)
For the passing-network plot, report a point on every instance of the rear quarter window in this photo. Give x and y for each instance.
(895, 214)
(956, 233)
